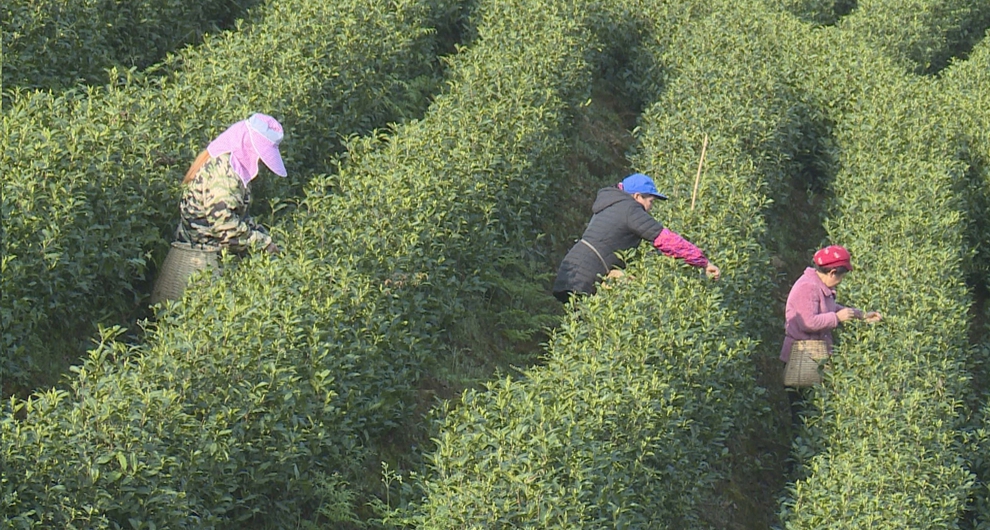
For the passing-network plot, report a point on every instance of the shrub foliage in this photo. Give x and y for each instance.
(283, 378)
(91, 176)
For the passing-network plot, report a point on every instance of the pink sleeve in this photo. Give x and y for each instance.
(673, 245)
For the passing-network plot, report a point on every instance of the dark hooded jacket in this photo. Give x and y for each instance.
(619, 223)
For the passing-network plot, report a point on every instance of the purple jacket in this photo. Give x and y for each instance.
(810, 313)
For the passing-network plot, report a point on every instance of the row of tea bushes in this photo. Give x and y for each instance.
(756, 141)
(885, 445)
(618, 430)
(517, 451)
(968, 99)
(923, 36)
(967, 103)
(628, 425)
(222, 415)
(53, 44)
(259, 384)
(559, 36)
(91, 177)
(759, 132)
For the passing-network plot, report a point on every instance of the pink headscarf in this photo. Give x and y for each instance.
(247, 141)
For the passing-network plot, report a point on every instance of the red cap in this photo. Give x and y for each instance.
(833, 256)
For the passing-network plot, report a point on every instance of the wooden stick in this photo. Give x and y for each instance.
(697, 178)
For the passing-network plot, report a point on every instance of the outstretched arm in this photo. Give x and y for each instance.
(671, 244)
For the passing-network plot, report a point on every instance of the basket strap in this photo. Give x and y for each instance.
(595, 250)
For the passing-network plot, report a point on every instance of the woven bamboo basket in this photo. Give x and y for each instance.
(806, 364)
(180, 263)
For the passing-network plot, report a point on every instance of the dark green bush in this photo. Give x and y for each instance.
(288, 370)
(885, 447)
(225, 412)
(614, 432)
(53, 44)
(922, 35)
(968, 107)
(91, 177)
(245, 396)
(629, 423)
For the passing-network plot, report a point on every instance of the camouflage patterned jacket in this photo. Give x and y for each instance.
(214, 209)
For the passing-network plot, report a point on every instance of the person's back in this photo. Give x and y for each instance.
(618, 223)
(217, 188)
(214, 212)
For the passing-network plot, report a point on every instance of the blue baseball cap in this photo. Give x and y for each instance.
(640, 183)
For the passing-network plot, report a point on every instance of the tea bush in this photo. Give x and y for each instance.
(628, 425)
(968, 107)
(242, 398)
(886, 450)
(608, 434)
(756, 127)
(294, 368)
(91, 176)
(755, 143)
(922, 35)
(55, 43)
(224, 412)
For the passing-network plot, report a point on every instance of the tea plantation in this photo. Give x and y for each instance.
(401, 363)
